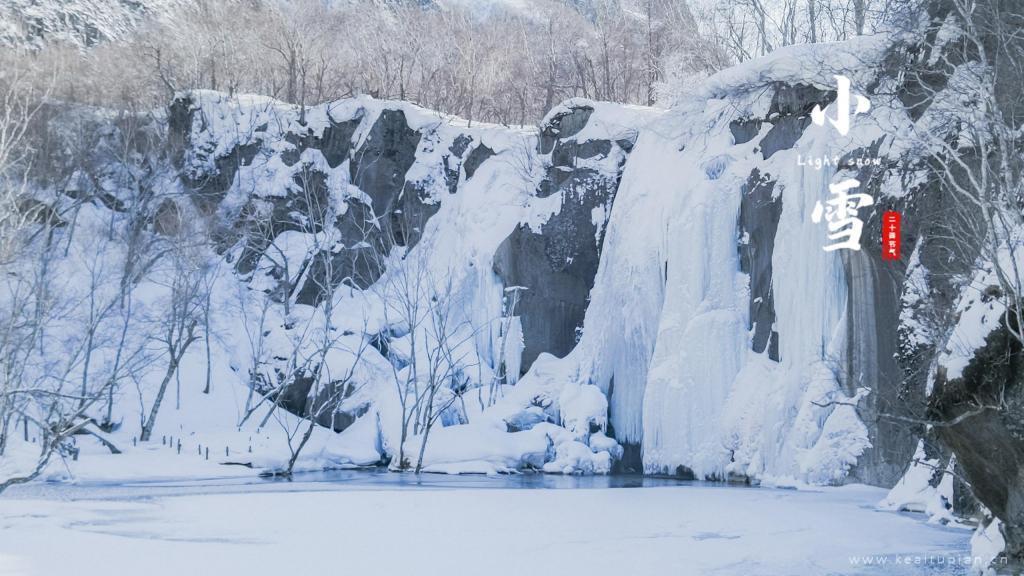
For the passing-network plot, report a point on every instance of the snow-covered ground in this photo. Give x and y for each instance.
(360, 525)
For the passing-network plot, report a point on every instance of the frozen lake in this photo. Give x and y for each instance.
(367, 522)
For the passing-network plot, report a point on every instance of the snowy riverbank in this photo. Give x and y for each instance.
(363, 523)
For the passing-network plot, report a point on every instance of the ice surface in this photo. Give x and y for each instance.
(371, 529)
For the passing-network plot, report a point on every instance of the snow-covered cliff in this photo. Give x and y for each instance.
(368, 282)
(667, 259)
(624, 288)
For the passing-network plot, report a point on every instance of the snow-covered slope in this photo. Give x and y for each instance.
(82, 23)
(629, 287)
(342, 205)
(718, 325)
(676, 247)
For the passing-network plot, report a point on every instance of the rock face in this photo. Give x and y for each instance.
(360, 179)
(976, 365)
(672, 264)
(758, 222)
(557, 263)
(981, 408)
(391, 210)
(301, 209)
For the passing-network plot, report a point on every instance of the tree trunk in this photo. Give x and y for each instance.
(427, 425)
(206, 329)
(147, 427)
(172, 368)
(401, 443)
(423, 448)
(812, 20)
(40, 466)
(298, 450)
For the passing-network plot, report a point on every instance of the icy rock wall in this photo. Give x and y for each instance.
(555, 262)
(686, 378)
(667, 257)
(728, 341)
(339, 194)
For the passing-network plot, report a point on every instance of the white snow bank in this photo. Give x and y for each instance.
(917, 490)
(987, 543)
(683, 531)
(981, 306)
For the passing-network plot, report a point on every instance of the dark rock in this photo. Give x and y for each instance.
(558, 263)
(293, 396)
(783, 134)
(409, 215)
(758, 221)
(743, 131)
(476, 158)
(557, 266)
(879, 353)
(167, 219)
(336, 140)
(263, 219)
(797, 100)
(208, 190)
(357, 263)
(179, 127)
(460, 145)
(626, 144)
(789, 114)
(379, 166)
(981, 418)
(40, 212)
(631, 461)
(398, 213)
(562, 126)
(327, 404)
(334, 143)
(566, 153)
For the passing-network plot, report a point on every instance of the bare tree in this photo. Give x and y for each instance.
(977, 159)
(400, 291)
(502, 66)
(431, 369)
(181, 324)
(317, 343)
(21, 99)
(64, 345)
(447, 359)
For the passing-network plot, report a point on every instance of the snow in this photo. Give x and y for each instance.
(367, 528)
(482, 449)
(664, 357)
(666, 334)
(801, 63)
(457, 245)
(665, 349)
(986, 544)
(581, 407)
(609, 121)
(917, 491)
(979, 310)
(81, 23)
